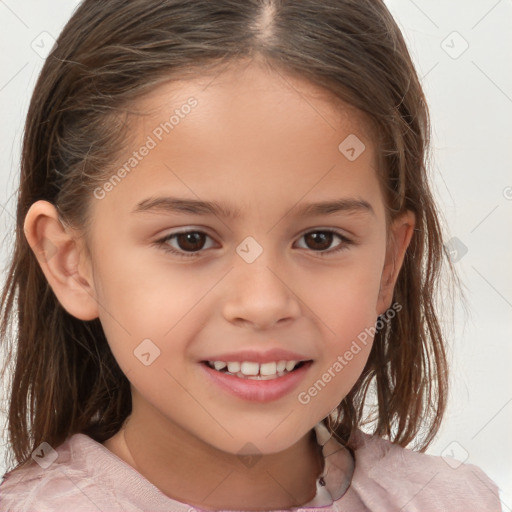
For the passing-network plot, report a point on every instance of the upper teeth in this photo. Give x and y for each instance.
(252, 368)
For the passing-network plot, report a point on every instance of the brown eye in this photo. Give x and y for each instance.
(186, 243)
(191, 241)
(319, 240)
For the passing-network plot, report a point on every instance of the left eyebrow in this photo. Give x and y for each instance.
(347, 205)
(197, 207)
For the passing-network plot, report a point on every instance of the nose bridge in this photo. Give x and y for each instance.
(256, 267)
(258, 292)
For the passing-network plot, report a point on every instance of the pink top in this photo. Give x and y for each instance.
(87, 477)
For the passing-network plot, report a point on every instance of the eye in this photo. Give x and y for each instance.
(189, 243)
(322, 239)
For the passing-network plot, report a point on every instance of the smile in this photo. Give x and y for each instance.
(257, 387)
(255, 371)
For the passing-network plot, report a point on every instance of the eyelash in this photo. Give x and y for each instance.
(162, 243)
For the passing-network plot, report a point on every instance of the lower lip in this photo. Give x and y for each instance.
(258, 390)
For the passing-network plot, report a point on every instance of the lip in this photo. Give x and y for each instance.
(256, 356)
(257, 390)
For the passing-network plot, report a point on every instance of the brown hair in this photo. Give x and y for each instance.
(65, 378)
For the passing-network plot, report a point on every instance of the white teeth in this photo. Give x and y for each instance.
(248, 368)
(260, 377)
(281, 366)
(290, 365)
(252, 370)
(268, 368)
(234, 367)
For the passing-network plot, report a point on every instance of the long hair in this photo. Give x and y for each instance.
(65, 379)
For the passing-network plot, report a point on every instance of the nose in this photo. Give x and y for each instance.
(259, 295)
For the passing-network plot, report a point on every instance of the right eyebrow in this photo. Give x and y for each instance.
(197, 207)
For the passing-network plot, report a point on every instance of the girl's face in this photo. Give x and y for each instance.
(242, 163)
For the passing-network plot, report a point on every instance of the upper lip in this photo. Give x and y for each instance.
(256, 356)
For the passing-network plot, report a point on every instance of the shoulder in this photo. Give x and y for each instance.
(401, 478)
(62, 479)
(81, 475)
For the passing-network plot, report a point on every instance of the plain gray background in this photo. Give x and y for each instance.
(462, 50)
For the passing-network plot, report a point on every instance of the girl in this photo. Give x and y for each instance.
(225, 265)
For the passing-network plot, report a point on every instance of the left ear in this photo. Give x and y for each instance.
(401, 231)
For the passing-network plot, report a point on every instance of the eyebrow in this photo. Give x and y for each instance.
(197, 207)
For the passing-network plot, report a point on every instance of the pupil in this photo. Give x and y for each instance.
(318, 237)
(187, 241)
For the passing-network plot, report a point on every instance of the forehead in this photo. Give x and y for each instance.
(251, 87)
(249, 133)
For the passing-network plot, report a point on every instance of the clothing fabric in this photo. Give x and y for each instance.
(376, 476)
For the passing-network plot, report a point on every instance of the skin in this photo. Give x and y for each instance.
(265, 143)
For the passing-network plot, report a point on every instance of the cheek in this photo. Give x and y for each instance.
(141, 301)
(345, 296)
(136, 292)
(344, 301)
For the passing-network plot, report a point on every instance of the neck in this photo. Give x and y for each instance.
(190, 471)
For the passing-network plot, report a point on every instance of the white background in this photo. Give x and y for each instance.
(470, 98)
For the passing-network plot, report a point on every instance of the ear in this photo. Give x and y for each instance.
(63, 260)
(401, 231)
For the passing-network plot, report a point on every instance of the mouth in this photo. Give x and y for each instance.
(256, 371)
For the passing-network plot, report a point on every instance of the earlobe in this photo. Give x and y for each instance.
(60, 255)
(401, 232)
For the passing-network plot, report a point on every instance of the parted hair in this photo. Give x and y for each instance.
(63, 378)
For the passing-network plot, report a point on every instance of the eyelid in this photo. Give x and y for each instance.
(163, 241)
(201, 229)
(187, 229)
(345, 241)
(343, 245)
(337, 231)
